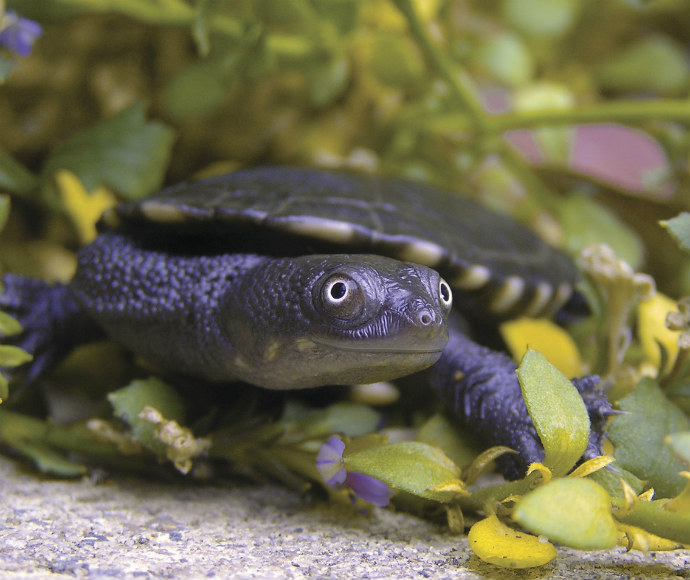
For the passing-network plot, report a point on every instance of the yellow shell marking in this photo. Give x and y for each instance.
(508, 295)
(542, 296)
(563, 293)
(472, 278)
(321, 228)
(421, 252)
(110, 218)
(162, 212)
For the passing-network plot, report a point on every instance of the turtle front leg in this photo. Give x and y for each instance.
(52, 324)
(479, 386)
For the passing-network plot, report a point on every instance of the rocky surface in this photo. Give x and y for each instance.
(135, 528)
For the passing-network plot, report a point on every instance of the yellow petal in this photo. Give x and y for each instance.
(540, 468)
(83, 208)
(681, 503)
(546, 337)
(651, 327)
(634, 538)
(494, 542)
(592, 465)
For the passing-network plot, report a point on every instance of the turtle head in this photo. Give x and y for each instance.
(336, 319)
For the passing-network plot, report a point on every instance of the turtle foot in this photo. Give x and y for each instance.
(52, 324)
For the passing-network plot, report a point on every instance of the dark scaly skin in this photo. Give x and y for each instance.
(229, 317)
(479, 387)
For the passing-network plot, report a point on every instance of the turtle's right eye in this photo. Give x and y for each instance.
(445, 294)
(342, 297)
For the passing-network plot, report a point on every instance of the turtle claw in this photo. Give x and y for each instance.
(52, 324)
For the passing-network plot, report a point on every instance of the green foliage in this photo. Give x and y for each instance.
(6, 67)
(124, 152)
(573, 512)
(439, 432)
(184, 100)
(679, 228)
(4, 211)
(679, 445)
(639, 436)
(8, 325)
(655, 518)
(14, 177)
(12, 356)
(655, 63)
(409, 466)
(129, 402)
(557, 410)
(587, 222)
(346, 418)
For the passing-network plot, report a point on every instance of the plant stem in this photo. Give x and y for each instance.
(179, 13)
(457, 79)
(626, 112)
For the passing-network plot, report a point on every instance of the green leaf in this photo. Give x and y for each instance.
(610, 480)
(638, 437)
(409, 466)
(327, 78)
(201, 29)
(439, 432)
(14, 177)
(557, 410)
(6, 67)
(346, 418)
(653, 517)
(679, 228)
(4, 388)
(4, 211)
(396, 61)
(182, 97)
(649, 63)
(49, 461)
(574, 512)
(13, 356)
(128, 403)
(122, 152)
(679, 444)
(586, 222)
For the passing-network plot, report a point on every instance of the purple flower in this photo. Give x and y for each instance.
(330, 462)
(331, 466)
(19, 34)
(368, 488)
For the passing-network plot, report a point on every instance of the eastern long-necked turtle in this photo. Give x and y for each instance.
(289, 278)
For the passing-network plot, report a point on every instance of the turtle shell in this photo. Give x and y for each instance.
(499, 268)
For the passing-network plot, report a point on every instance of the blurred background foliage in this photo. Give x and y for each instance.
(572, 115)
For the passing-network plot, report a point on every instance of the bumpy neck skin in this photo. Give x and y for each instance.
(277, 323)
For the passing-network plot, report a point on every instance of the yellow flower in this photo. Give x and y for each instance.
(652, 329)
(546, 337)
(498, 544)
(83, 208)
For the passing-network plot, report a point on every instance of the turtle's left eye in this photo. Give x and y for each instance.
(342, 297)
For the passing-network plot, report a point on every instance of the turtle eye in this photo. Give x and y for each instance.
(342, 297)
(445, 294)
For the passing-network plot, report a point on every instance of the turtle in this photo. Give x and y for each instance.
(291, 278)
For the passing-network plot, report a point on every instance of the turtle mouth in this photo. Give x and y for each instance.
(365, 347)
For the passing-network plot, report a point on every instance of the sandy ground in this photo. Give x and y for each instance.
(134, 528)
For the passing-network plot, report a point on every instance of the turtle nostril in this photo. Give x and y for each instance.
(426, 318)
